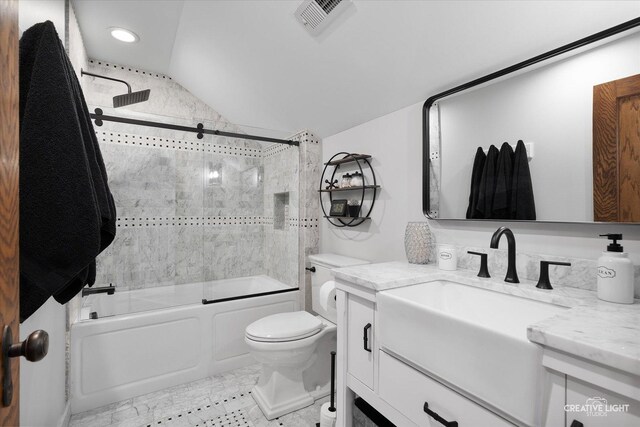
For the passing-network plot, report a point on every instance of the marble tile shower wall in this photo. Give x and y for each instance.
(281, 179)
(309, 209)
(176, 224)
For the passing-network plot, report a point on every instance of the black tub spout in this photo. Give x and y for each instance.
(109, 290)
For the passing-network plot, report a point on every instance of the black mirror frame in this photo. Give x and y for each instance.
(426, 149)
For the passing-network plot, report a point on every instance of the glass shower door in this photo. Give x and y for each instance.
(156, 178)
(250, 197)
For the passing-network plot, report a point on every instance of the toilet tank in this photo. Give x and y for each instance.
(323, 264)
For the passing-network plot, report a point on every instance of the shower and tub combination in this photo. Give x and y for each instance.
(150, 339)
(208, 234)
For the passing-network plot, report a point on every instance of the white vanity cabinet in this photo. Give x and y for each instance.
(596, 407)
(414, 394)
(357, 370)
(370, 368)
(395, 389)
(594, 395)
(553, 399)
(360, 339)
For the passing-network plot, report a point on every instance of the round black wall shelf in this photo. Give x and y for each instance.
(365, 190)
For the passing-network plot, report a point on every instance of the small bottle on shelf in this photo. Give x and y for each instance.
(357, 180)
(346, 181)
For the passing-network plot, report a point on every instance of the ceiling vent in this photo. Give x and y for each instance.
(316, 15)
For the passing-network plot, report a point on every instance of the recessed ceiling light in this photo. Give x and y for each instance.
(123, 35)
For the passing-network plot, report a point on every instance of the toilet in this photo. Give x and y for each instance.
(294, 348)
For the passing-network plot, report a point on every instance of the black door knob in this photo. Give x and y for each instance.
(34, 348)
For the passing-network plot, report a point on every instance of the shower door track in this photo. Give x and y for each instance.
(99, 118)
(259, 294)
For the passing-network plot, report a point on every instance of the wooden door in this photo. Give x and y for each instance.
(616, 150)
(9, 202)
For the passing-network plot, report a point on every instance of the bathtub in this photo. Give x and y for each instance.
(147, 340)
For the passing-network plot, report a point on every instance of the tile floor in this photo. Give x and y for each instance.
(222, 400)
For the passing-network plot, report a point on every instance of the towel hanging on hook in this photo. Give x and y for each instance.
(529, 146)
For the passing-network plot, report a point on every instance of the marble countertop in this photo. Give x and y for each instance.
(595, 330)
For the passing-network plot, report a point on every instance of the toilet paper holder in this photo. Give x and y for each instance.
(327, 293)
(328, 413)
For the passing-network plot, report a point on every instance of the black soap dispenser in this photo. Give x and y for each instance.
(615, 273)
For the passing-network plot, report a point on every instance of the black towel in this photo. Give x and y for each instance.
(476, 175)
(522, 202)
(502, 199)
(487, 184)
(67, 214)
(96, 163)
(99, 177)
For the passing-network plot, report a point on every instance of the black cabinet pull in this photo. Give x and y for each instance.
(576, 423)
(365, 337)
(438, 418)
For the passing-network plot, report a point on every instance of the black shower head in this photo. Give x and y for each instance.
(131, 98)
(127, 98)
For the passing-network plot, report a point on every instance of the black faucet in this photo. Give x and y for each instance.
(512, 275)
(543, 281)
(109, 290)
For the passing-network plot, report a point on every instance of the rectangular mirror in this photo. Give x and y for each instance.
(578, 112)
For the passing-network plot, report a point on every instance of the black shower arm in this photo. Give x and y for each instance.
(83, 72)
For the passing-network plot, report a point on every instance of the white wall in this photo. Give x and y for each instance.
(551, 107)
(395, 142)
(42, 384)
(34, 11)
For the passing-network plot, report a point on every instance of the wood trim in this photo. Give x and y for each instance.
(628, 113)
(609, 147)
(9, 200)
(628, 86)
(605, 153)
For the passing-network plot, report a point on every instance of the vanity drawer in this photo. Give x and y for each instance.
(596, 407)
(407, 390)
(360, 339)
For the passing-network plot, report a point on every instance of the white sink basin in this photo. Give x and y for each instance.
(472, 338)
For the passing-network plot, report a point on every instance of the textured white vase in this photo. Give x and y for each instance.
(418, 242)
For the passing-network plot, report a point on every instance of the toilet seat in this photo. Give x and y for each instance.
(284, 327)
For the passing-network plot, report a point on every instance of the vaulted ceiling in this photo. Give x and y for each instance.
(255, 64)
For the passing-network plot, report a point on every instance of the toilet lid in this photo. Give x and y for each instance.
(284, 327)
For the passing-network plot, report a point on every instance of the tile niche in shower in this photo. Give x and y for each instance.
(280, 211)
